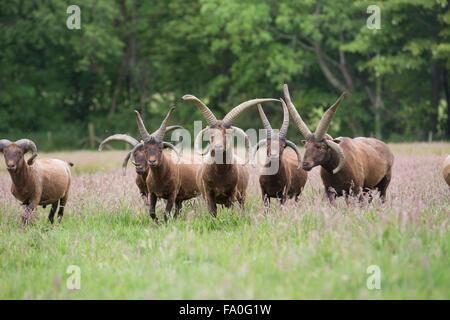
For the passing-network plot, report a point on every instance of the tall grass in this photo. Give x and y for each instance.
(301, 250)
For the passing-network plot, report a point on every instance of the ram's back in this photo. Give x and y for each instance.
(55, 179)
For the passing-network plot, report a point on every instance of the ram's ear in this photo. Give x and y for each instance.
(304, 141)
(337, 141)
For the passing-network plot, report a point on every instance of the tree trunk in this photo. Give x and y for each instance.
(120, 77)
(123, 65)
(435, 95)
(144, 84)
(447, 98)
(379, 105)
(133, 53)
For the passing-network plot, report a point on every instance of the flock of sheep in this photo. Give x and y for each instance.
(349, 167)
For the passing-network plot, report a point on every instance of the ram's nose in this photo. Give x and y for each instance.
(306, 165)
(11, 167)
(139, 169)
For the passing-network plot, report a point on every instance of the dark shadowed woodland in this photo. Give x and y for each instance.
(146, 55)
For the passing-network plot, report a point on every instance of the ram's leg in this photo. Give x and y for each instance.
(178, 207)
(382, 186)
(62, 205)
(230, 201)
(331, 195)
(266, 199)
(169, 207)
(283, 198)
(278, 199)
(371, 191)
(52, 212)
(347, 199)
(152, 208)
(368, 192)
(212, 204)
(241, 200)
(144, 197)
(28, 213)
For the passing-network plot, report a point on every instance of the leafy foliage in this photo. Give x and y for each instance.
(146, 55)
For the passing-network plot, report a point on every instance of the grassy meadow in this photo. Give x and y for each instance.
(304, 250)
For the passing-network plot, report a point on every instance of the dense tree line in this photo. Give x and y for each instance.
(145, 55)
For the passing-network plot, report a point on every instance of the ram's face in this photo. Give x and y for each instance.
(220, 139)
(140, 161)
(153, 150)
(13, 157)
(275, 148)
(316, 154)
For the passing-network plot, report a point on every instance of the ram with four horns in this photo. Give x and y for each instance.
(281, 177)
(348, 166)
(39, 182)
(174, 182)
(137, 156)
(221, 178)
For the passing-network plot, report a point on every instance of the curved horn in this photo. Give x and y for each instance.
(197, 145)
(256, 148)
(125, 163)
(294, 147)
(127, 157)
(171, 128)
(159, 134)
(236, 111)
(141, 126)
(294, 113)
(285, 125)
(28, 145)
(246, 140)
(265, 122)
(3, 144)
(118, 137)
(333, 145)
(171, 146)
(324, 123)
(207, 114)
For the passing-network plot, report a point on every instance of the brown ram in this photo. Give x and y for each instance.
(166, 179)
(138, 159)
(221, 179)
(446, 170)
(288, 179)
(348, 166)
(36, 182)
